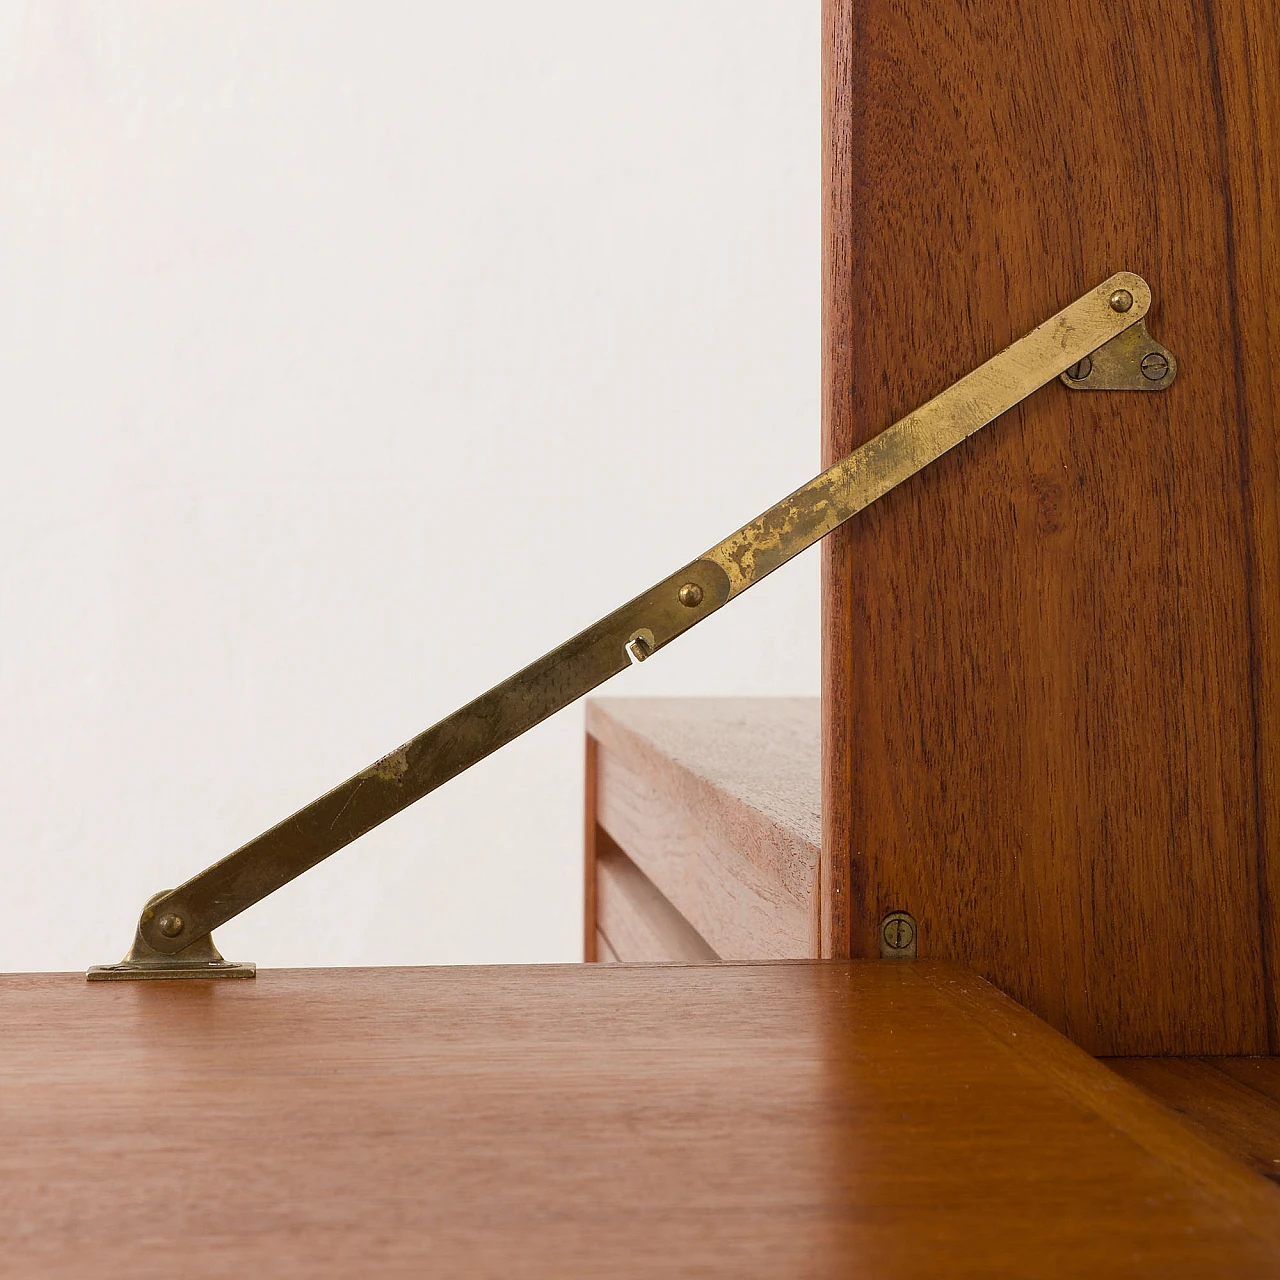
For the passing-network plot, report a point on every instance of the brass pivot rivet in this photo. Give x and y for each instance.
(1081, 369)
(1121, 300)
(690, 595)
(1154, 366)
(170, 926)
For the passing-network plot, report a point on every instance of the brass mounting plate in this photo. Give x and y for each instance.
(144, 963)
(126, 972)
(1131, 361)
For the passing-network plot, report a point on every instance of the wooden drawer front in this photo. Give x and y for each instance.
(634, 920)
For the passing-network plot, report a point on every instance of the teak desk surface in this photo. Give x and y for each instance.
(891, 1118)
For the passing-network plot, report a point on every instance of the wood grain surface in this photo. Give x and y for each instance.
(717, 801)
(1234, 1102)
(636, 921)
(1051, 661)
(792, 1119)
(590, 929)
(1262, 1075)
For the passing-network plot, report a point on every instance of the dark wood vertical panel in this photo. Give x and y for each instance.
(1049, 665)
(1246, 80)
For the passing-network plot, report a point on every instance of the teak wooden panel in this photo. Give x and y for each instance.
(635, 920)
(612, 1120)
(1262, 1075)
(1231, 1101)
(717, 801)
(1051, 661)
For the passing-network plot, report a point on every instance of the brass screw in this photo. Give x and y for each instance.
(1121, 300)
(1154, 366)
(1081, 369)
(898, 933)
(170, 926)
(690, 595)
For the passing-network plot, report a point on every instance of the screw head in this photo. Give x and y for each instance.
(1121, 300)
(690, 595)
(1154, 366)
(1081, 369)
(170, 926)
(898, 933)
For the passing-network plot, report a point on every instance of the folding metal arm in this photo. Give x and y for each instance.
(173, 933)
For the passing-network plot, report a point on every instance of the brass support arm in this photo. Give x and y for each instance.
(173, 932)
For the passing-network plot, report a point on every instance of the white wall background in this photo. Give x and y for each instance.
(351, 356)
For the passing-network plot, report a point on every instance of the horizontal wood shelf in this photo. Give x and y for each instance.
(707, 810)
(882, 1118)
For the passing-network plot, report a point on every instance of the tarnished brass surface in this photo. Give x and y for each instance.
(1131, 361)
(201, 959)
(637, 630)
(899, 933)
(431, 759)
(966, 406)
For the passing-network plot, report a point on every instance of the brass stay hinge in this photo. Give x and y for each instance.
(1131, 361)
(1099, 342)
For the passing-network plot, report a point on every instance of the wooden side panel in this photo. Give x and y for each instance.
(1051, 660)
(1246, 86)
(635, 920)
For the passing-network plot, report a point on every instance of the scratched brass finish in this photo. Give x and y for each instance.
(1131, 361)
(429, 760)
(172, 922)
(898, 452)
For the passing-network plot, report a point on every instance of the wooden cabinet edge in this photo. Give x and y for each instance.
(760, 860)
(590, 926)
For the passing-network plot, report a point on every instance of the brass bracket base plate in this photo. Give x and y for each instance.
(126, 972)
(1131, 361)
(145, 964)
